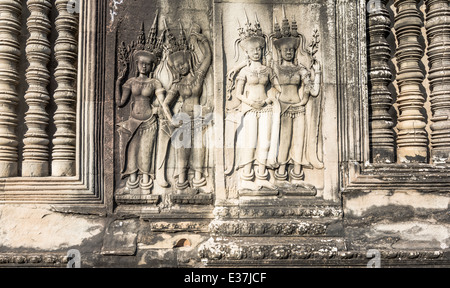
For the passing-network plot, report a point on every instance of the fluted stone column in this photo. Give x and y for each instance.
(438, 34)
(64, 150)
(382, 142)
(412, 137)
(38, 51)
(10, 26)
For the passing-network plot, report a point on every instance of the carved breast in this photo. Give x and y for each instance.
(289, 76)
(258, 77)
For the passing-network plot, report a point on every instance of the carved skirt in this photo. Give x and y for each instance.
(253, 139)
(188, 142)
(141, 152)
(292, 136)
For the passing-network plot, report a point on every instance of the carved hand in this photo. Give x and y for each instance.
(317, 67)
(122, 72)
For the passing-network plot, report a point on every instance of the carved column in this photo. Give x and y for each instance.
(412, 136)
(38, 50)
(10, 26)
(64, 141)
(381, 133)
(438, 32)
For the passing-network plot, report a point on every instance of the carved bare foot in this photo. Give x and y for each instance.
(250, 185)
(131, 186)
(182, 187)
(303, 184)
(265, 184)
(146, 186)
(280, 179)
(198, 183)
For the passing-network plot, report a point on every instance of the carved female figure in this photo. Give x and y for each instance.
(251, 88)
(187, 88)
(139, 133)
(297, 88)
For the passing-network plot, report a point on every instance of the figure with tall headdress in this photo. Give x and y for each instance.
(185, 95)
(145, 96)
(251, 84)
(299, 114)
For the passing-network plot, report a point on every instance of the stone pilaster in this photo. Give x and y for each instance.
(438, 33)
(9, 77)
(64, 141)
(38, 51)
(412, 137)
(382, 140)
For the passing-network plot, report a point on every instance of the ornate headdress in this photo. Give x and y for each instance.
(249, 33)
(151, 46)
(287, 34)
(176, 46)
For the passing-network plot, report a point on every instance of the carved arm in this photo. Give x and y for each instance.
(122, 92)
(206, 50)
(165, 107)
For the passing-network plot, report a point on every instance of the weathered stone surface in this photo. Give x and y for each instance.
(224, 133)
(121, 238)
(39, 229)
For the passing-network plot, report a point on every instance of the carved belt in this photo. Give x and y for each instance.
(259, 112)
(294, 111)
(148, 124)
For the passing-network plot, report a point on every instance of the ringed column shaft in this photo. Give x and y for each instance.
(438, 34)
(64, 141)
(412, 139)
(382, 140)
(10, 27)
(38, 50)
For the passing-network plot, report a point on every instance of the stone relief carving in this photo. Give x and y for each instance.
(255, 146)
(167, 109)
(185, 94)
(145, 94)
(299, 112)
(278, 117)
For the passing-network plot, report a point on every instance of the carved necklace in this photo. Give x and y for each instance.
(288, 71)
(258, 72)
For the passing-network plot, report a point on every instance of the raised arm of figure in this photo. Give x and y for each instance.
(315, 85)
(204, 46)
(123, 92)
